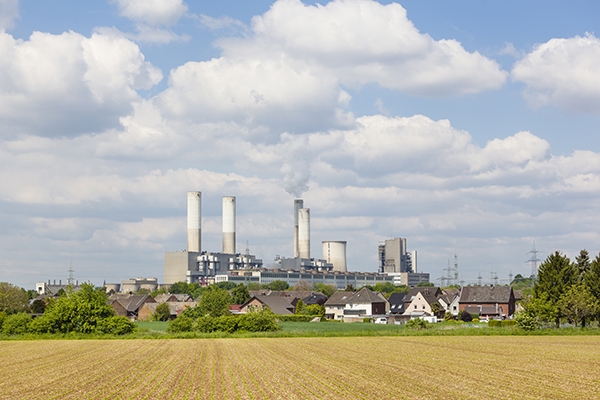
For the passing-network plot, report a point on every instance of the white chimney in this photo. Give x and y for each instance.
(194, 220)
(304, 233)
(298, 204)
(229, 224)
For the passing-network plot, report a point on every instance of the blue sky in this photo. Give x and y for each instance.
(468, 128)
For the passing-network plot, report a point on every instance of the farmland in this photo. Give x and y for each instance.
(456, 367)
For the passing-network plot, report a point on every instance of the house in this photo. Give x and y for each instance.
(146, 312)
(175, 297)
(501, 299)
(279, 305)
(449, 300)
(128, 305)
(314, 298)
(335, 305)
(396, 301)
(363, 303)
(419, 301)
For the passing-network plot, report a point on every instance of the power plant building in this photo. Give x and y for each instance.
(396, 265)
(195, 265)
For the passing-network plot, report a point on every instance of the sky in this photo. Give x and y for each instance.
(469, 128)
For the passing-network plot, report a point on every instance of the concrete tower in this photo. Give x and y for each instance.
(194, 221)
(304, 233)
(229, 224)
(298, 204)
(334, 252)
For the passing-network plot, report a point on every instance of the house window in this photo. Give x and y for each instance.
(423, 306)
(415, 306)
(454, 308)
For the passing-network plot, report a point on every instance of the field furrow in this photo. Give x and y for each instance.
(455, 367)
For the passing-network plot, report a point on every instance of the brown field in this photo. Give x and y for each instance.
(459, 367)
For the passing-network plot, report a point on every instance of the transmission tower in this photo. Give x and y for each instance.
(479, 278)
(455, 268)
(510, 277)
(534, 261)
(70, 280)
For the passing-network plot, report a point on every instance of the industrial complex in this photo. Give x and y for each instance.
(396, 264)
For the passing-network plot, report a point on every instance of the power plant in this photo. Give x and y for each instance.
(195, 265)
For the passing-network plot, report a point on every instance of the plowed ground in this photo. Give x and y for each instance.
(304, 368)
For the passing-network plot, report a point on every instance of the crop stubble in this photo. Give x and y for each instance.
(455, 367)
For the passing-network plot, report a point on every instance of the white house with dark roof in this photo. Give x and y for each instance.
(363, 303)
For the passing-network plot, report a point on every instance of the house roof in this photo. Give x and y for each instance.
(339, 298)
(132, 302)
(315, 298)
(396, 301)
(486, 294)
(430, 294)
(363, 296)
(175, 307)
(164, 297)
(279, 305)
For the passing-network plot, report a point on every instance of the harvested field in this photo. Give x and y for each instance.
(458, 367)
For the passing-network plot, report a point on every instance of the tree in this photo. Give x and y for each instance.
(425, 284)
(300, 307)
(582, 265)
(214, 302)
(38, 306)
(555, 275)
(539, 308)
(349, 288)
(577, 304)
(253, 286)
(13, 299)
(327, 290)
(384, 287)
(162, 312)
(278, 285)
(226, 285)
(465, 316)
(302, 286)
(240, 294)
(436, 308)
(592, 278)
(79, 311)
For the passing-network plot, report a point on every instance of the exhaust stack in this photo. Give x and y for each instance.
(298, 204)
(194, 220)
(228, 224)
(304, 233)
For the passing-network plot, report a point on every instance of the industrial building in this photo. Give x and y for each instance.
(194, 265)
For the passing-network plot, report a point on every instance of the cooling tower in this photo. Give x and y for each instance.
(334, 252)
(228, 224)
(194, 217)
(298, 204)
(304, 233)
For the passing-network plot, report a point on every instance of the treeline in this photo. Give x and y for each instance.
(212, 314)
(83, 311)
(564, 290)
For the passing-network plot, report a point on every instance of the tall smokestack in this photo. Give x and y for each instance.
(298, 204)
(304, 233)
(194, 219)
(229, 224)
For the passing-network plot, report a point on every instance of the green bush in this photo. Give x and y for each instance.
(509, 323)
(475, 320)
(116, 326)
(262, 321)
(526, 321)
(417, 323)
(180, 324)
(226, 323)
(2, 318)
(494, 323)
(16, 324)
(295, 318)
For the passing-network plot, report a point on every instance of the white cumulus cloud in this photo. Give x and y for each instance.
(9, 13)
(563, 73)
(364, 42)
(68, 84)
